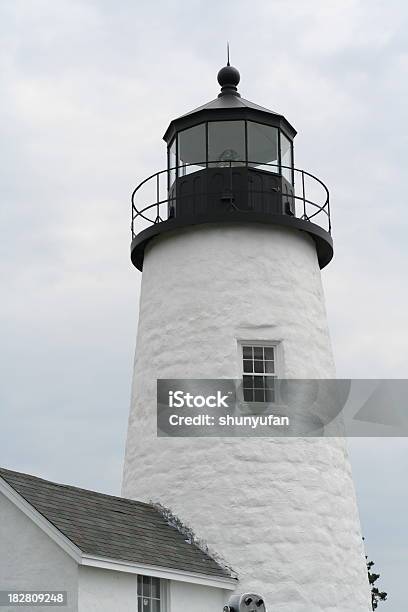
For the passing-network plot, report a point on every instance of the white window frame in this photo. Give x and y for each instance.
(164, 593)
(278, 361)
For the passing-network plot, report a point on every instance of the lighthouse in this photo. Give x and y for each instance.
(230, 239)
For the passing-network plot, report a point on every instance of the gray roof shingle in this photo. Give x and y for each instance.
(113, 527)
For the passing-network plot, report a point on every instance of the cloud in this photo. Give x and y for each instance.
(88, 88)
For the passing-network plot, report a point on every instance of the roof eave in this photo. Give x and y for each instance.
(220, 582)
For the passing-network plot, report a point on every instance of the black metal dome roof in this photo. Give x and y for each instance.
(230, 101)
(229, 105)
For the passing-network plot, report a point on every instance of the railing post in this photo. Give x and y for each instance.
(158, 197)
(132, 225)
(328, 211)
(304, 195)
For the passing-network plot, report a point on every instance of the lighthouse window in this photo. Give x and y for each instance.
(226, 143)
(263, 146)
(259, 373)
(148, 594)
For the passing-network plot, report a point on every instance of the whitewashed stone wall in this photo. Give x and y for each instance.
(281, 512)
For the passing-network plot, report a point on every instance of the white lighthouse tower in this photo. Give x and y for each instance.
(231, 288)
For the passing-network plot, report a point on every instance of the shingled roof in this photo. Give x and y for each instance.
(113, 527)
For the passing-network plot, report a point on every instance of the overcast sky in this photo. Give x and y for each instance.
(87, 90)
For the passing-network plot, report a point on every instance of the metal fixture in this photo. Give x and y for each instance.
(245, 602)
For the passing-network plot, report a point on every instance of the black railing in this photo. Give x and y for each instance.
(313, 203)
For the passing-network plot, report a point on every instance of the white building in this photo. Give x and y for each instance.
(107, 553)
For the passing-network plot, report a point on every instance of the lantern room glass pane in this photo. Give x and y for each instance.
(286, 157)
(263, 146)
(226, 143)
(172, 162)
(191, 148)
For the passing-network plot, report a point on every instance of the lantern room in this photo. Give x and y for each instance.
(246, 151)
(231, 161)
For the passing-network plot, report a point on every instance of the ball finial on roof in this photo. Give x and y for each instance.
(229, 77)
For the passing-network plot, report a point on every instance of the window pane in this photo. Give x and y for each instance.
(286, 157)
(226, 142)
(192, 149)
(258, 352)
(139, 585)
(155, 605)
(258, 382)
(258, 366)
(247, 365)
(269, 352)
(143, 604)
(248, 381)
(146, 586)
(248, 395)
(247, 352)
(263, 146)
(269, 367)
(156, 588)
